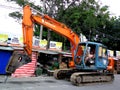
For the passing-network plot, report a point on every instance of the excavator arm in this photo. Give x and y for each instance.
(19, 59)
(27, 27)
(58, 28)
(29, 19)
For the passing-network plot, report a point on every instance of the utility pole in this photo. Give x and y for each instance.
(41, 30)
(41, 27)
(90, 35)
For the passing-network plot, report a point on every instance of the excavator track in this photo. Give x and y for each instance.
(90, 77)
(62, 73)
(83, 78)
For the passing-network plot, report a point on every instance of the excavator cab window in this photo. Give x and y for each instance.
(79, 53)
(102, 52)
(102, 56)
(90, 55)
(85, 54)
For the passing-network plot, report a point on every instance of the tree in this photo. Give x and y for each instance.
(86, 16)
(114, 34)
(51, 7)
(18, 15)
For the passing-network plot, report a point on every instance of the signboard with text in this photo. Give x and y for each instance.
(55, 45)
(3, 38)
(43, 44)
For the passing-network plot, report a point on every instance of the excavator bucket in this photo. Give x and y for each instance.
(17, 59)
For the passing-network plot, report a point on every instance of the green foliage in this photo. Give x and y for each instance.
(16, 15)
(86, 17)
(37, 30)
(91, 19)
(81, 18)
(22, 3)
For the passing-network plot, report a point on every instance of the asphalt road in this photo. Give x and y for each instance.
(49, 83)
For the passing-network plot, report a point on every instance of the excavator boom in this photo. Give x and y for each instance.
(45, 20)
(27, 27)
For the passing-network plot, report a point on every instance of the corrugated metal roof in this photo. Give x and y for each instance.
(52, 52)
(6, 48)
(48, 52)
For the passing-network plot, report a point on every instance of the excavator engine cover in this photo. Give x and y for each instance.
(18, 59)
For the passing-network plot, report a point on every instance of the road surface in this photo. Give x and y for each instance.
(49, 83)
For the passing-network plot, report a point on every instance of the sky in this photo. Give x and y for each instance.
(114, 6)
(9, 25)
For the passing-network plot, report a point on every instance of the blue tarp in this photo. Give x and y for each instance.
(5, 54)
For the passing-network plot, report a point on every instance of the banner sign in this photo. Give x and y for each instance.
(13, 39)
(17, 40)
(55, 45)
(3, 38)
(36, 41)
(43, 44)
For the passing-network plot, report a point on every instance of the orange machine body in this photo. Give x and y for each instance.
(27, 25)
(110, 66)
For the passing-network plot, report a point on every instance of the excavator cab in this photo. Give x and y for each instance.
(94, 56)
(91, 65)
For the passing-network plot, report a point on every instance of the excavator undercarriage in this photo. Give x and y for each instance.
(78, 77)
(87, 77)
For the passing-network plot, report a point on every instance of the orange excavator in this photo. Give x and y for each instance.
(82, 71)
(27, 26)
(29, 19)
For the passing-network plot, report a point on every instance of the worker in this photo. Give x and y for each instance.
(89, 59)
